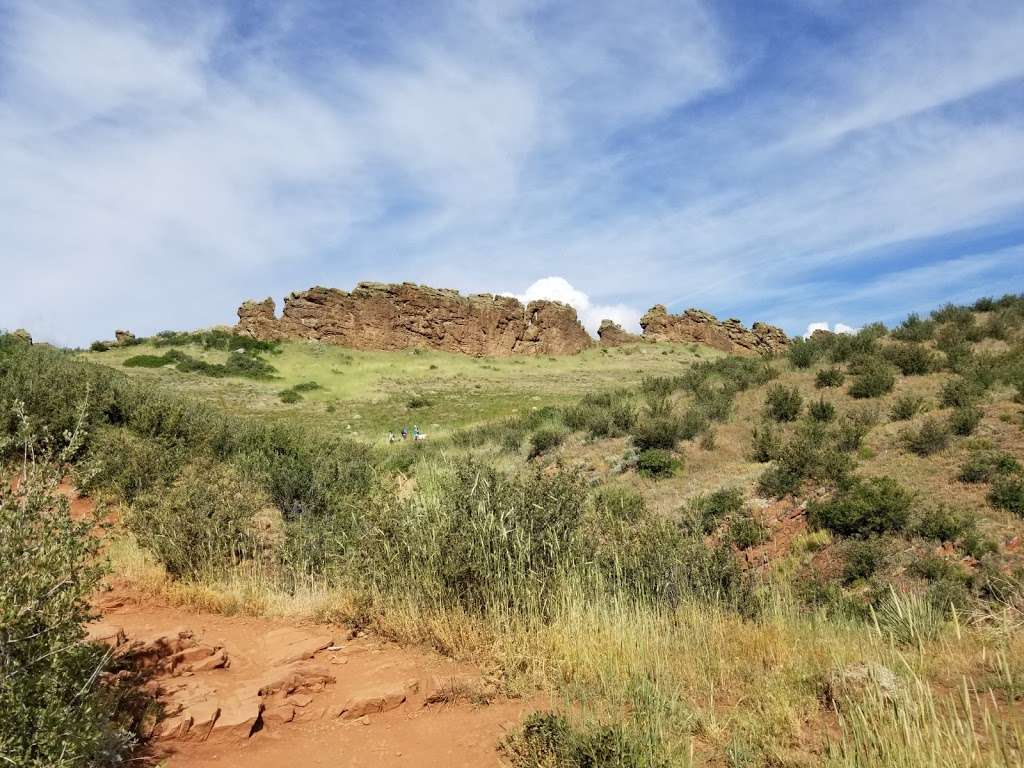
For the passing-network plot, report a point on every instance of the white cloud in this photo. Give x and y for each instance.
(837, 328)
(589, 313)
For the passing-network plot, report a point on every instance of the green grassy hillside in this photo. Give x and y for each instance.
(366, 394)
(696, 559)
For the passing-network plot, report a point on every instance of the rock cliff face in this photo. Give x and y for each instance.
(695, 325)
(612, 334)
(380, 316)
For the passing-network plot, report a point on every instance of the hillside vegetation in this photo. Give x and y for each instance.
(697, 559)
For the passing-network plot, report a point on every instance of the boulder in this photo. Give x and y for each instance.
(851, 684)
(701, 327)
(124, 338)
(612, 334)
(379, 316)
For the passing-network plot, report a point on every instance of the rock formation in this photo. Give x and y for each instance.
(124, 338)
(377, 316)
(22, 335)
(695, 325)
(612, 334)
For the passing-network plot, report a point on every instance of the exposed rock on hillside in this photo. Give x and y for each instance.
(696, 325)
(381, 316)
(613, 335)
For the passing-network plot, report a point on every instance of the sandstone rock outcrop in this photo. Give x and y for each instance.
(378, 316)
(696, 325)
(612, 334)
(124, 338)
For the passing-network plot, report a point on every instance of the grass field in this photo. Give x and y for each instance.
(367, 394)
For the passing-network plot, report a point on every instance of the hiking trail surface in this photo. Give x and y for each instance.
(259, 692)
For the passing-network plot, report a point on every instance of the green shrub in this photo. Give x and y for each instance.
(821, 411)
(147, 361)
(783, 403)
(914, 329)
(829, 377)
(746, 532)
(657, 432)
(963, 421)
(863, 558)
(205, 523)
(942, 524)
(906, 406)
(957, 393)
(549, 740)
(951, 313)
(854, 426)
(873, 377)
(935, 568)
(99, 346)
(912, 359)
(931, 436)
(1007, 492)
(419, 401)
(708, 510)
(803, 353)
(545, 439)
(289, 396)
(986, 466)
(765, 443)
(862, 507)
(657, 463)
(126, 464)
(58, 708)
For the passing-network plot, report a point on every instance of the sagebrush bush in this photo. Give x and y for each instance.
(783, 403)
(1007, 492)
(803, 353)
(549, 740)
(914, 328)
(854, 426)
(911, 359)
(862, 558)
(942, 523)
(765, 443)
(545, 439)
(872, 377)
(205, 523)
(657, 432)
(822, 411)
(657, 463)
(959, 392)
(963, 421)
(810, 454)
(862, 507)
(708, 510)
(829, 377)
(930, 436)
(289, 396)
(906, 407)
(985, 466)
(745, 532)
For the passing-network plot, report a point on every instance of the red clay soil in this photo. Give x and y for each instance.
(252, 692)
(245, 692)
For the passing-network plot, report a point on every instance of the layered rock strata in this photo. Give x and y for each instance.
(378, 316)
(695, 325)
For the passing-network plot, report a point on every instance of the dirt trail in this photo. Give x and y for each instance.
(261, 693)
(242, 691)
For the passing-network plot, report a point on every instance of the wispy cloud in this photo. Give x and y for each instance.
(162, 163)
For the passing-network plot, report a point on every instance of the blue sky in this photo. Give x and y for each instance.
(800, 161)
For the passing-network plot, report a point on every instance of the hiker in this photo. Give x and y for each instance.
(405, 433)
(415, 432)
(391, 437)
